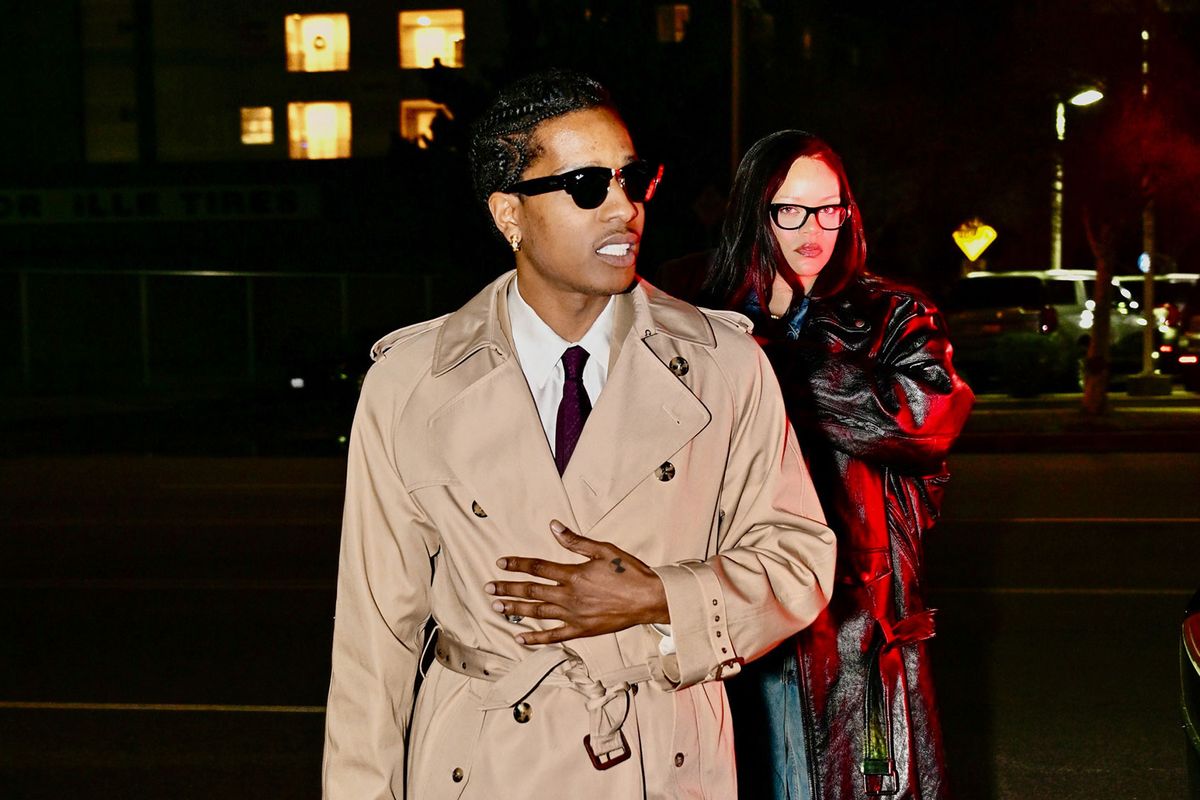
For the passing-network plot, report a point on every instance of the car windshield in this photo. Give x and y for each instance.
(1017, 291)
(1061, 293)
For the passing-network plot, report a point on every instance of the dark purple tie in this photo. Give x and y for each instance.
(573, 409)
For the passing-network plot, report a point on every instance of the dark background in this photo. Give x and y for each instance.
(147, 575)
(942, 111)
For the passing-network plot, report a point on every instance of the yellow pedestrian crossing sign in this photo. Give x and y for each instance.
(973, 237)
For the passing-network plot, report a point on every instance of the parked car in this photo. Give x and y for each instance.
(1171, 292)
(1189, 679)
(1027, 331)
(1187, 360)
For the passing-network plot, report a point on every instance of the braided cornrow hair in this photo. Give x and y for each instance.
(502, 144)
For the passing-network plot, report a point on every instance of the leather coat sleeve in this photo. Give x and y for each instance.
(383, 603)
(773, 571)
(882, 389)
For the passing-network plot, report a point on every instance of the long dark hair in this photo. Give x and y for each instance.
(749, 256)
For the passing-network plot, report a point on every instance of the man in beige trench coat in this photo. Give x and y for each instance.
(585, 619)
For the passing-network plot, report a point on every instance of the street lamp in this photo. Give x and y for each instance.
(1083, 98)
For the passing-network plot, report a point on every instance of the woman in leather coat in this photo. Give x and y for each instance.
(865, 368)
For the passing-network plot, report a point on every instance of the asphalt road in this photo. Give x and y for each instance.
(167, 622)
(1062, 581)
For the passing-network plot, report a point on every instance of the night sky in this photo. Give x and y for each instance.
(942, 112)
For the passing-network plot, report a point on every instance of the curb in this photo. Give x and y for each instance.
(1159, 441)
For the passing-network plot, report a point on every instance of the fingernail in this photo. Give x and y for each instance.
(498, 606)
(490, 588)
(520, 640)
(502, 563)
(557, 526)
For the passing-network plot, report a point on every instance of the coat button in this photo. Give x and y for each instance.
(679, 759)
(477, 509)
(679, 366)
(522, 712)
(858, 323)
(457, 775)
(665, 472)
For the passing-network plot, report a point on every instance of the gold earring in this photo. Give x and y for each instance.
(514, 242)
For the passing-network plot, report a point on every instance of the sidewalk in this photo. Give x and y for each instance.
(1056, 423)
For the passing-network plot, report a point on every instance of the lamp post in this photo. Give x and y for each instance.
(1149, 381)
(1083, 98)
(1147, 228)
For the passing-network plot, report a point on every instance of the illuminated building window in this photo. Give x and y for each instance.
(258, 127)
(416, 120)
(429, 35)
(318, 42)
(318, 130)
(673, 21)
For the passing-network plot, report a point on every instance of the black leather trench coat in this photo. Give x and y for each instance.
(876, 403)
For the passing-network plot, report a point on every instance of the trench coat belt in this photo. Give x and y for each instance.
(512, 681)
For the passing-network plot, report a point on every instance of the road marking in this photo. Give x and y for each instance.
(186, 707)
(1059, 591)
(1044, 520)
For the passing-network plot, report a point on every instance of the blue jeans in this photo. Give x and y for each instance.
(769, 728)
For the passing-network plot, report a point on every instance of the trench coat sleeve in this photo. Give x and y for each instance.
(382, 604)
(773, 572)
(903, 406)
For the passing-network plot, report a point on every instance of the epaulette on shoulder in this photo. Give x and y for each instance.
(403, 334)
(733, 319)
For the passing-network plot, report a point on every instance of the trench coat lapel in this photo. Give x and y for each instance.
(493, 441)
(643, 417)
(491, 435)
(489, 431)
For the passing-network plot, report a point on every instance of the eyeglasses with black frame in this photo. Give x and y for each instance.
(589, 186)
(792, 216)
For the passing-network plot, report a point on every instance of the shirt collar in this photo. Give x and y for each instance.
(539, 348)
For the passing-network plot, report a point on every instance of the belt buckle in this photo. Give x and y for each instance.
(880, 777)
(604, 760)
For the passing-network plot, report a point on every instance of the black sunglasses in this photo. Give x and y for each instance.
(589, 186)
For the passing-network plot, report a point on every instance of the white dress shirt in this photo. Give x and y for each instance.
(540, 349)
